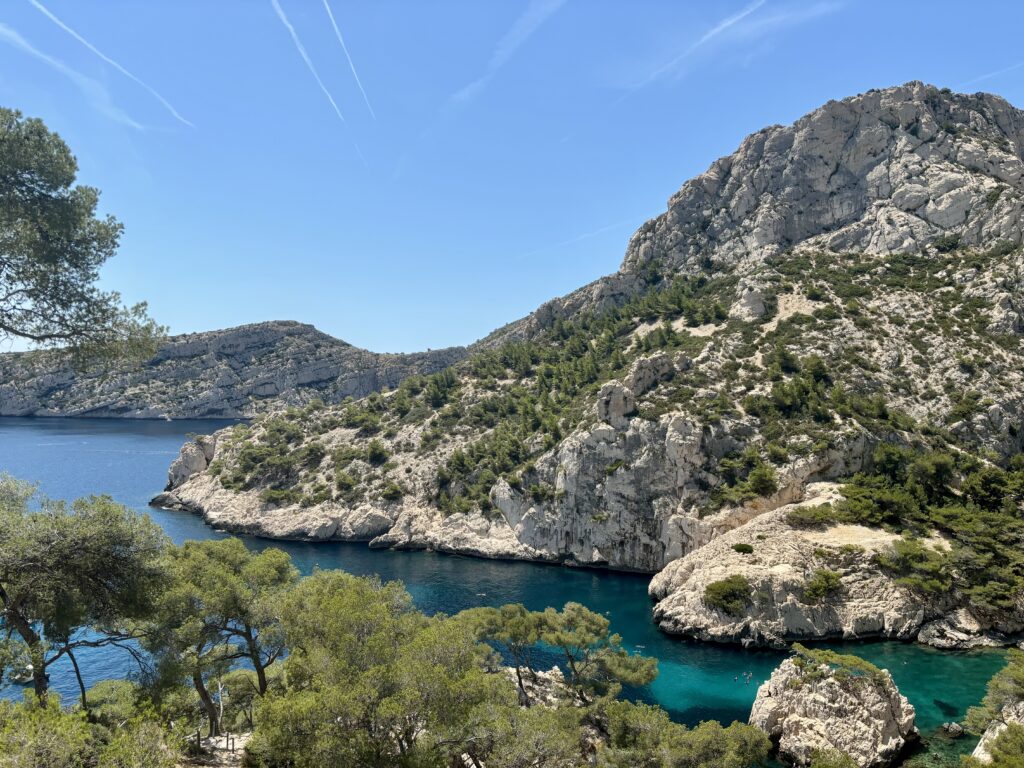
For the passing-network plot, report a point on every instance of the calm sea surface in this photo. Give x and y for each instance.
(128, 460)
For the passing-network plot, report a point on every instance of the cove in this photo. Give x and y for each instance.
(128, 460)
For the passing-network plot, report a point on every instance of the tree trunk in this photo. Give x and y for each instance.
(524, 697)
(261, 670)
(40, 681)
(81, 683)
(257, 662)
(207, 701)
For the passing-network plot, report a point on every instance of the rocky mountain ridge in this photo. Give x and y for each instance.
(848, 282)
(233, 373)
(888, 171)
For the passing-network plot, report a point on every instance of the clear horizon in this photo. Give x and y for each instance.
(406, 177)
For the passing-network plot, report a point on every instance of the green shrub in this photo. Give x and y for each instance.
(811, 517)
(731, 595)
(843, 666)
(345, 481)
(917, 567)
(831, 758)
(823, 584)
(777, 454)
(392, 492)
(281, 497)
(761, 480)
(743, 549)
(1005, 688)
(946, 243)
(377, 453)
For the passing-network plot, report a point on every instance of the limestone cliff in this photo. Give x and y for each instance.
(232, 373)
(782, 563)
(888, 171)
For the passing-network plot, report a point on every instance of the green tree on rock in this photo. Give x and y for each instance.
(516, 631)
(598, 664)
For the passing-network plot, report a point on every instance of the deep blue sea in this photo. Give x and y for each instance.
(128, 460)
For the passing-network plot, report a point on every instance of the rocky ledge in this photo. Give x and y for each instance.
(820, 702)
(811, 584)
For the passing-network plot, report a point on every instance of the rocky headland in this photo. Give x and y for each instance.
(838, 287)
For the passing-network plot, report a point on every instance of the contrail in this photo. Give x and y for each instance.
(46, 12)
(585, 236)
(351, 66)
(309, 63)
(94, 91)
(536, 13)
(990, 75)
(707, 37)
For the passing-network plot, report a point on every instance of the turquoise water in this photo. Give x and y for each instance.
(129, 460)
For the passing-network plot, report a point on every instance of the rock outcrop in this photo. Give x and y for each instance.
(811, 705)
(865, 603)
(786, 567)
(235, 373)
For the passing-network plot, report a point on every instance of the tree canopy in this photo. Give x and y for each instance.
(52, 245)
(220, 605)
(330, 669)
(71, 576)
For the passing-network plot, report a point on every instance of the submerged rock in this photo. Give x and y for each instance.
(821, 701)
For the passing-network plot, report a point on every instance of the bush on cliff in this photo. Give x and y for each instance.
(730, 595)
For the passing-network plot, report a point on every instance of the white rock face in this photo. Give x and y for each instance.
(191, 460)
(750, 306)
(243, 512)
(868, 603)
(1012, 713)
(814, 708)
(233, 373)
(646, 372)
(878, 173)
(614, 403)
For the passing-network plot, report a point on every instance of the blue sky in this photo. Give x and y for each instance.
(418, 173)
